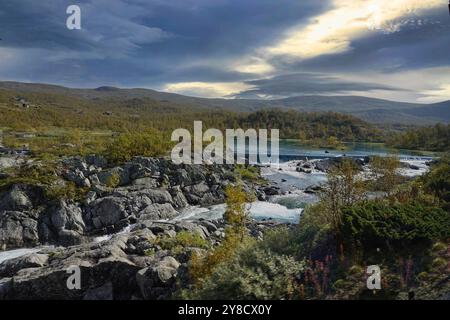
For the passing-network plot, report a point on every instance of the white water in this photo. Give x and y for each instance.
(258, 210)
(107, 237)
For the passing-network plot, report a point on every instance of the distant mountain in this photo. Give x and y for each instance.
(369, 109)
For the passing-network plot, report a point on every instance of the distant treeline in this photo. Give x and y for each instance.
(133, 115)
(435, 138)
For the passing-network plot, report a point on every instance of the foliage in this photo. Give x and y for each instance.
(236, 217)
(201, 267)
(384, 173)
(150, 143)
(436, 138)
(183, 239)
(253, 273)
(113, 181)
(249, 173)
(437, 181)
(377, 224)
(343, 188)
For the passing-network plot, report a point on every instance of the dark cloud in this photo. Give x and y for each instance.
(306, 84)
(149, 43)
(140, 43)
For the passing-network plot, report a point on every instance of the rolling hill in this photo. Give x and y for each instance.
(372, 110)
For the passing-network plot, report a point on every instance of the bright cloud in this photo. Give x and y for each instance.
(332, 31)
(207, 89)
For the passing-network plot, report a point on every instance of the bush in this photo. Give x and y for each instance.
(150, 143)
(437, 181)
(377, 224)
(248, 173)
(253, 273)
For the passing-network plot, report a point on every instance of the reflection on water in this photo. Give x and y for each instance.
(356, 149)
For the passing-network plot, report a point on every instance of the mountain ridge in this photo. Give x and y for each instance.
(370, 109)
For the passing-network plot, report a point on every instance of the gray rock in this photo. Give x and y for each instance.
(34, 260)
(107, 211)
(104, 292)
(158, 211)
(179, 200)
(146, 182)
(65, 216)
(96, 160)
(15, 199)
(17, 230)
(159, 195)
(77, 177)
(9, 162)
(156, 282)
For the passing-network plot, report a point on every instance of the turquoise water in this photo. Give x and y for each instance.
(292, 148)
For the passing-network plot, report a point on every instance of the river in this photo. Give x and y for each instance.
(289, 206)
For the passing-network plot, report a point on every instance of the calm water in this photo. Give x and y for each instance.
(290, 148)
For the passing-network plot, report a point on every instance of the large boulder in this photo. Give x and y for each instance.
(77, 176)
(107, 211)
(18, 229)
(158, 211)
(63, 224)
(33, 260)
(158, 282)
(16, 198)
(105, 270)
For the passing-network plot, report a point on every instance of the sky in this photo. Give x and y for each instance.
(263, 49)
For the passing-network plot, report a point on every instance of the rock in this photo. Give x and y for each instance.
(9, 162)
(179, 200)
(5, 287)
(70, 238)
(65, 216)
(156, 282)
(197, 190)
(325, 165)
(96, 160)
(304, 170)
(159, 196)
(104, 292)
(99, 264)
(63, 224)
(107, 211)
(192, 227)
(15, 199)
(158, 211)
(271, 190)
(34, 260)
(18, 229)
(313, 189)
(77, 177)
(146, 182)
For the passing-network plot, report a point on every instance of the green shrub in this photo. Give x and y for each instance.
(377, 224)
(113, 181)
(249, 173)
(150, 143)
(183, 239)
(253, 273)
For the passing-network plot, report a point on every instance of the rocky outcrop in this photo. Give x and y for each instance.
(18, 229)
(115, 197)
(130, 265)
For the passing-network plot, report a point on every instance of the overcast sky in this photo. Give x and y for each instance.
(394, 49)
